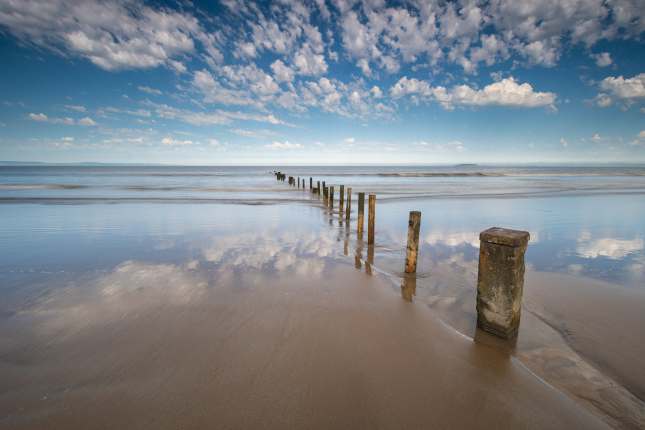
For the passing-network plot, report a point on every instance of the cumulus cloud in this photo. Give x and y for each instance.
(602, 59)
(281, 71)
(112, 35)
(506, 92)
(625, 90)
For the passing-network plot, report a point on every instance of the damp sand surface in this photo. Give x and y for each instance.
(257, 350)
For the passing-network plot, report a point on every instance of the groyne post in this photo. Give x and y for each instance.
(318, 188)
(414, 225)
(370, 218)
(341, 198)
(349, 205)
(361, 214)
(325, 193)
(331, 197)
(311, 181)
(500, 280)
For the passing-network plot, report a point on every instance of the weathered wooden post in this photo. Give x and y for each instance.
(500, 280)
(370, 219)
(341, 198)
(318, 188)
(331, 197)
(311, 181)
(348, 211)
(361, 214)
(325, 193)
(408, 287)
(414, 225)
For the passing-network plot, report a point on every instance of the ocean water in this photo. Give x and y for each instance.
(583, 220)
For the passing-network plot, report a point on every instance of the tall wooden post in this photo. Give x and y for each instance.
(311, 183)
(341, 198)
(348, 211)
(361, 214)
(500, 281)
(318, 188)
(414, 225)
(370, 219)
(331, 197)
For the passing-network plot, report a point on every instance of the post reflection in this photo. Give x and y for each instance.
(358, 257)
(370, 259)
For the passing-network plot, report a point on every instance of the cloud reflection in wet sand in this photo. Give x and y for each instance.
(609, 247)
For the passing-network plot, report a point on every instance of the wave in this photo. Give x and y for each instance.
(440, 174)
(41, 186)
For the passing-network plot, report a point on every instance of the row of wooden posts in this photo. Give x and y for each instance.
(500, 278)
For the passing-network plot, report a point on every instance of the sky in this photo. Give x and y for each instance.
(322, 82)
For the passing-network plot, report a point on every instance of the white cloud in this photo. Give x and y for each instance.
(40, 117)
(282, 72)
(112, 35)
(602, 59)
(603, 100)
(87, 121)
(149, 90)
(410, 86)
(596, 137)
(564, 142)
(284, 145)
(507, 92)
(625, 90)
(76, 108)
(307, 62)
(350, 140)
(175, 142)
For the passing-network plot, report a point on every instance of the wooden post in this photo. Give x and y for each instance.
(341, 198)
(370, 219)
(361, 214)
(414, 225)
(500, 281)
(311, 181)
(325, 193)
(408, 288)
(331, 197)
(318, 188)
(348, 211)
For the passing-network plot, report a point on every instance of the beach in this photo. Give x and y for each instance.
(218, 297)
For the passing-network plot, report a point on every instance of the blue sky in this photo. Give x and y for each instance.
(235, 82)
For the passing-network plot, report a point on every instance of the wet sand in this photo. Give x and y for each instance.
(582, 336)
(169, 346)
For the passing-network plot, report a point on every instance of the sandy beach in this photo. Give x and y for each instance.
(260, 351)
